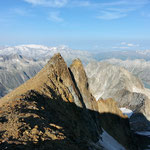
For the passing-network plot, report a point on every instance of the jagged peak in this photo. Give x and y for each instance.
(57, 66)
(57, 58)
(55, 75)
(79, 72)
(77, 63)
(81, 79)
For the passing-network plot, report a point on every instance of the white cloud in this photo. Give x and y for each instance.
(80, 3)
(120, 47)
(118, 9)
(105, 10)
(21, 12)
(125, 45)
(55, 16)
(126, 3)
(145, 14)
(110, 15)
(133, 45)
(129, 44)
(48, 3)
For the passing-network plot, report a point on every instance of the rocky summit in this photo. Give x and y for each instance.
(56, 111)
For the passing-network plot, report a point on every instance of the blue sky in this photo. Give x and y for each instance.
(80, 24)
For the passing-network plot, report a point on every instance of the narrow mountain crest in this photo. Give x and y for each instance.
(81, 79)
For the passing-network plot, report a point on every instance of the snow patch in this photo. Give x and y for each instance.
(34, 46)
(109, 143)
(98, 96)
(126, 111)
(145, 133)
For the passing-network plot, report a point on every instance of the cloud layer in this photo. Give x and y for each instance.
(109, 10)
(48, 3)
(125, 45)
(55, 16)
(119, 9)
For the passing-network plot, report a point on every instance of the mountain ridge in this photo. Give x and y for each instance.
(49, 111)
(20, 63)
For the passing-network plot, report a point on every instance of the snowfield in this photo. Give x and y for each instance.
(109, 143)
(146, 133)
(126, 111)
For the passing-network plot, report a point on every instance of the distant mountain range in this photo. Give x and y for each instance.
(20, 63)
(123, 55)
(139, 67)
(38, 52)
(15, 70)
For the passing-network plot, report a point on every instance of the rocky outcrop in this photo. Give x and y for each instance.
(79, 75)
(55, 110)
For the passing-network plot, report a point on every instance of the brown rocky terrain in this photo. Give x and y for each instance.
(55, 110)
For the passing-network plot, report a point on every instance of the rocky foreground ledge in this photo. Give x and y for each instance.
(56, 111)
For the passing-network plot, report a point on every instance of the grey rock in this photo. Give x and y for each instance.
(139, 67)
(111, 81)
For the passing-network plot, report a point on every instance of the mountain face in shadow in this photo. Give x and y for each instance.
(55, 110)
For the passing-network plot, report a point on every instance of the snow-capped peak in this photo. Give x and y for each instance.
(43, 52)
(33, 46)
